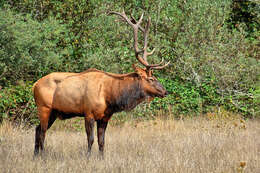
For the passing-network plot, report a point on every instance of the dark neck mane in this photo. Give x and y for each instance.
(126, 97)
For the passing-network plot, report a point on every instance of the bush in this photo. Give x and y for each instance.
(17, 103)
(246, 14)
(29, 49)
(206, 49)
(212, 64)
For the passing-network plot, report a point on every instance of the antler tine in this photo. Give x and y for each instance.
(146, 32)
(150, 53)
(134, 21)
(140, 20)
(156, 65)
(161, 67)
(145, 53)
(123, 15)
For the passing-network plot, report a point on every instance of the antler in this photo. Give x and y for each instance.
(137, 25)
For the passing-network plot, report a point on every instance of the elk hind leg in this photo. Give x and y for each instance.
(89, 126)
(37, 140)
(46, 120)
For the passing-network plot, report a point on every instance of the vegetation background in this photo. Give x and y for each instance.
(213, 46)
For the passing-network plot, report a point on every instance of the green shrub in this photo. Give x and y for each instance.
(212, 64)
(29, 49)
(188, 98)
(246, 14)
(17, 103)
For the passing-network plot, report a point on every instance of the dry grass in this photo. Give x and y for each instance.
(191, 145)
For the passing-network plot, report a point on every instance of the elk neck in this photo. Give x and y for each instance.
(125, 94)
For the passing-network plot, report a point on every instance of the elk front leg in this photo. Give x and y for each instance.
(101, 129)
(89, 125)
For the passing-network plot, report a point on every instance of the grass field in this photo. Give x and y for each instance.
(208, 144)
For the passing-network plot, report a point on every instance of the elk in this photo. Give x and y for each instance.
(96, 95)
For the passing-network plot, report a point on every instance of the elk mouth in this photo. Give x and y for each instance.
(160, 94)
(164, 94)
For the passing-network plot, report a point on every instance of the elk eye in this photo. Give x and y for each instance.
(150, 79)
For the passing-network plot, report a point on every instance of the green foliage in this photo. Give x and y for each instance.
(186, 97)
(29, 49)
(246, 14)
(214, 62)
(17, 103)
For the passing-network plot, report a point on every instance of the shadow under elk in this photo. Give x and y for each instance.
(94, 94)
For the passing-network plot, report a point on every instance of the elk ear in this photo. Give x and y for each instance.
(134, 67)
(137, 69)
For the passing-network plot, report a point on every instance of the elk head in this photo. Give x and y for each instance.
(149, 83)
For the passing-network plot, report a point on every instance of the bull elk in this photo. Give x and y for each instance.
(94, 94)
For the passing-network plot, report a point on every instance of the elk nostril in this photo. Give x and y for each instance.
(166, 93)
